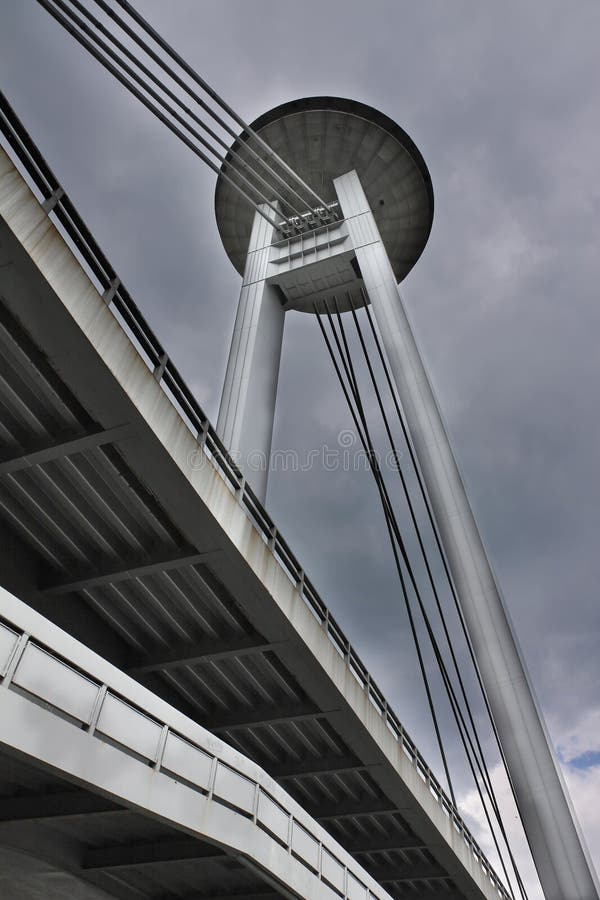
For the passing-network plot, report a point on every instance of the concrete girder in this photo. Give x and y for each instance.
(190, 654)
(57, 863)
(67, 804)
(263, 895)
(126, 571)
(385, 842)
(322, 765)
(418, 872)
(120, 856)
(348, 809)
(59, 805)
(67, 447)
(268, 715)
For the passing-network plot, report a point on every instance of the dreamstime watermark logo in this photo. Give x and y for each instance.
(347, 456)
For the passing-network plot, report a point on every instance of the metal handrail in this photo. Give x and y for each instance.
(39, 666)
(117, 297)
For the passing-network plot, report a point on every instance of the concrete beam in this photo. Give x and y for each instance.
(186, 557)
(64, 859)
(269, 715)
(189, 654)
(364, 807)
(263, 895)
(424, 871)
(60, 805)
(38, 455)
(126, 855)
(322, 765)
(21, 571)
(376, 844)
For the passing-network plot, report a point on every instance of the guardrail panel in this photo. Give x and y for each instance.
(305, 846)
(355, 889)
(56, 683)
(333, 871)
(234, 788)
(273, 817)
(129, 727)
(189, 762)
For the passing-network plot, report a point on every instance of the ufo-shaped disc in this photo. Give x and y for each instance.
(322, 138)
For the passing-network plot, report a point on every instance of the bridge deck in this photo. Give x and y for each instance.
(133, 535)
(141, 787)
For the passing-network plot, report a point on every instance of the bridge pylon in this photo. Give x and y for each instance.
(374, 172)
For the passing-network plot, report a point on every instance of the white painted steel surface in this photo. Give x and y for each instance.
(53, 681)
(557, 844)
(221, 796)
(247, 410)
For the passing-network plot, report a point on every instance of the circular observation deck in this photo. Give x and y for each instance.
(322, 138)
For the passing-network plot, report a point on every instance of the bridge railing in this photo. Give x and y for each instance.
(57, 673)
(57, 203)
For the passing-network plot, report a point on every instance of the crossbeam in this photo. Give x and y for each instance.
(269, 715)
(351, 807)
(420, 871)
(38, 455)
(262, 895)
(376, 844)
(60, 805)
(141, 854)
(322, 765)
(190, 654)
(136, 569)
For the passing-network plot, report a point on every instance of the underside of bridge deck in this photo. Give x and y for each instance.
(58, 841)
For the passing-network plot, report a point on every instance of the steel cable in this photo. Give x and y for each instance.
(162, 43)
(173, 97)
(482, 765)
(394, 532)
(150, 106)
(396, 538)
(100, 43)
(461, 725)
(442, 554)
(199, 100)
(364, 438)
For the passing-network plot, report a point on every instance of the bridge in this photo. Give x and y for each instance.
(180, 714)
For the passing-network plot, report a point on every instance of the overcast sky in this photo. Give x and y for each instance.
(502, 101)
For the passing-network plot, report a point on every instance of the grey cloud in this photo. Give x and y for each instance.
(502, 101)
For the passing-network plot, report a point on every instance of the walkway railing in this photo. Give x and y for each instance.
(57, 203)
(58, 673)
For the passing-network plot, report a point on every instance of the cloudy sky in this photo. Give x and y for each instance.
(502, 101)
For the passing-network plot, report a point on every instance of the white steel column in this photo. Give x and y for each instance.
(557, 845)
(246, 414)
